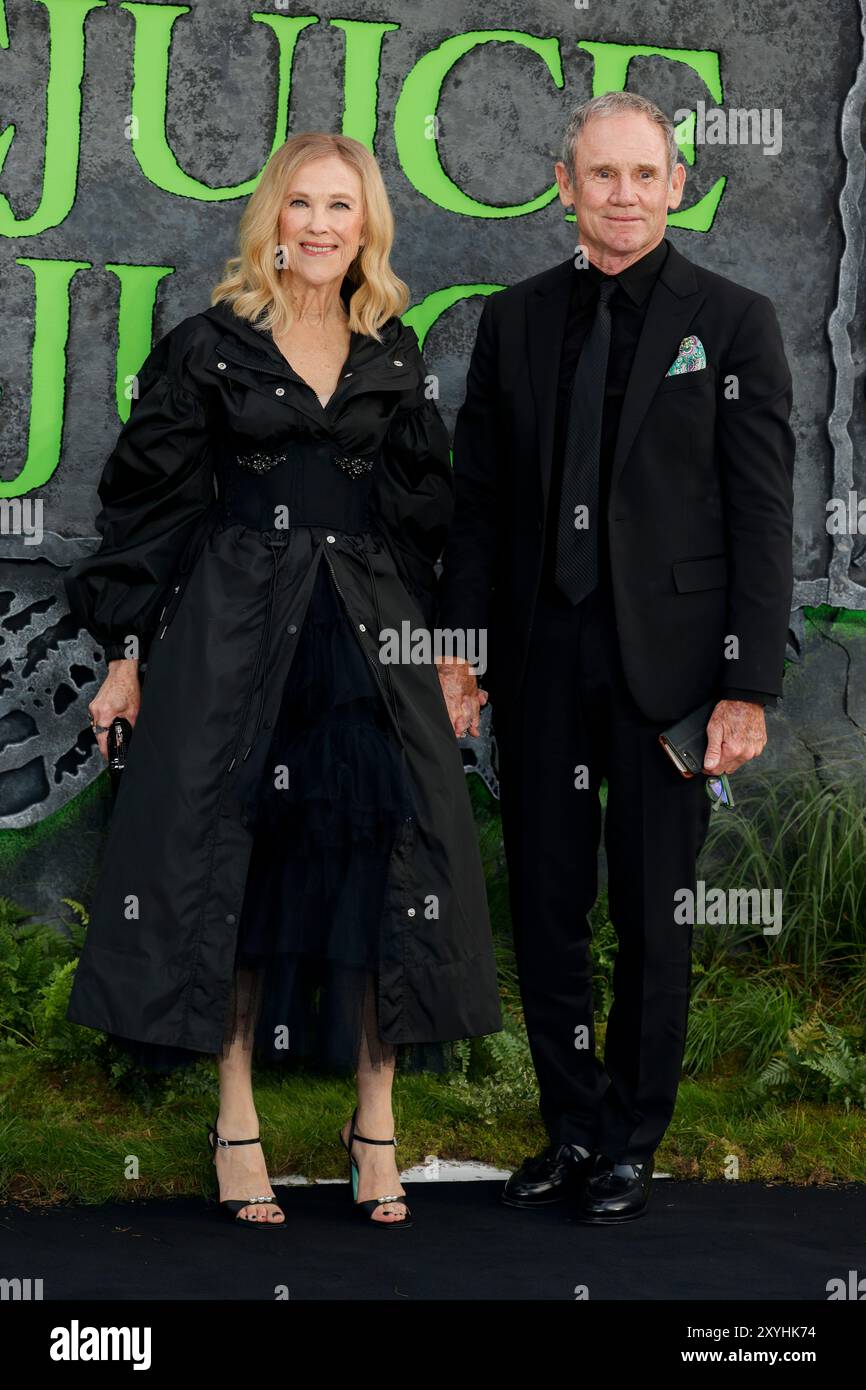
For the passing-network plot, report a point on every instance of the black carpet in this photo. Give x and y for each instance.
(716, 1241)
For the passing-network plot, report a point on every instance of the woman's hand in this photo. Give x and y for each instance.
(119, 695)
(463, 695)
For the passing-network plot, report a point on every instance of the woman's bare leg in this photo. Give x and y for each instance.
(241, 1170)
(378, 1173)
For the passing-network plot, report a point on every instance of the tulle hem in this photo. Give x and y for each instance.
(330, 801)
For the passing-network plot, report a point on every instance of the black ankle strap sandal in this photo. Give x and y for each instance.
(231, 1206)
(366, 1209)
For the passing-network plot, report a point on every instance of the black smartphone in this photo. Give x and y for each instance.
(686, 741)
(119, 735)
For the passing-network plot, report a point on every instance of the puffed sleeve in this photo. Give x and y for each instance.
(156, 485)
(415, 494)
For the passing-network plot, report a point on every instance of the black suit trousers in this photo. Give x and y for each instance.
(575, 712)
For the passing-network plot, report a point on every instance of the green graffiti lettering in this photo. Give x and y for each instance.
(361, 76)
(138, 286)
(62, 117)
(51, 281)
(417, 146)
(153, 28)
(429, 310)
(610, 73)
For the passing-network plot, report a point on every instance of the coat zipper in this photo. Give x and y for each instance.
(376, 674)
(284, 375)
(250, 688)
(290, 375)
(189, 560)
(164, 607)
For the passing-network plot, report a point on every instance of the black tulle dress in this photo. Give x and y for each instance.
(327, 808)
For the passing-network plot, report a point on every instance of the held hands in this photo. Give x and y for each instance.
(463, 695)
(119, 695)
(736, 733)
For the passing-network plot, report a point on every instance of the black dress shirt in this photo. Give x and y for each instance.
(628, 306)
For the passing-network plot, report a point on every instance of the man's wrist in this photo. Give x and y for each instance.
(752, 697)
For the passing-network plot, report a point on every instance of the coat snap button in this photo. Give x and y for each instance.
(293, 627)
(345, 374)
(361, 627)
(230, 918)
(281, 390)
(222, 366)
(410, 912)
(397, 363)
(329, 538)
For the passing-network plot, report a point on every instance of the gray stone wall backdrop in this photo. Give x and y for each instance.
(76, 209)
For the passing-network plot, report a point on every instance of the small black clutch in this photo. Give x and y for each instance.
(686, 741)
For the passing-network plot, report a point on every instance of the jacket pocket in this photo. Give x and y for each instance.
(169, 608)
(681, 379)
(174, 592)
(710, 572)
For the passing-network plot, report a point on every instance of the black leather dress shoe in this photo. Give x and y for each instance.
(614, 1192)
(551, 1176)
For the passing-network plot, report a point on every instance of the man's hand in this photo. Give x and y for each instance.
(736, 733)
(463, 695)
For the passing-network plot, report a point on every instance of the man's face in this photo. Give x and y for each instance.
(621, 193)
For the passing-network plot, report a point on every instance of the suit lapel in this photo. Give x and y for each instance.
(546, 312)
(674, 300)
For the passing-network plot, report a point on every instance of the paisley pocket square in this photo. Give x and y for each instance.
(690, 357)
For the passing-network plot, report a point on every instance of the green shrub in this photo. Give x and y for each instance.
(495, 1072)
(31, 956)
(758, 1001)
(816, 1062)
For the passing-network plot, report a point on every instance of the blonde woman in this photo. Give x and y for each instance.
(291, 868)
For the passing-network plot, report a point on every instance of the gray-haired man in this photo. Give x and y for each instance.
(623, 528)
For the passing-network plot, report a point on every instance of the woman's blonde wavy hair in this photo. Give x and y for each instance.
(251, 281)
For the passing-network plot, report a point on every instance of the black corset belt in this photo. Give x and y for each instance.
(305, 484)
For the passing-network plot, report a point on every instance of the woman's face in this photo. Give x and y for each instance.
(321, 222)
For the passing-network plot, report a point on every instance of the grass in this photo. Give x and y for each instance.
(70, 1136)
(774, 1079)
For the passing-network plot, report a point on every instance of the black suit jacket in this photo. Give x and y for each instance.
(700, 507)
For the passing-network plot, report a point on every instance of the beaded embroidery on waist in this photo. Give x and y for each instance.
(299, 485)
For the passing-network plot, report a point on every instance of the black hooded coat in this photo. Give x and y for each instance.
(217, 600)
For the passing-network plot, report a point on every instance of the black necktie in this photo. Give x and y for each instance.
(577, 534)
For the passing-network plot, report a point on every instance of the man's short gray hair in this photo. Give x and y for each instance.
(615, 104)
